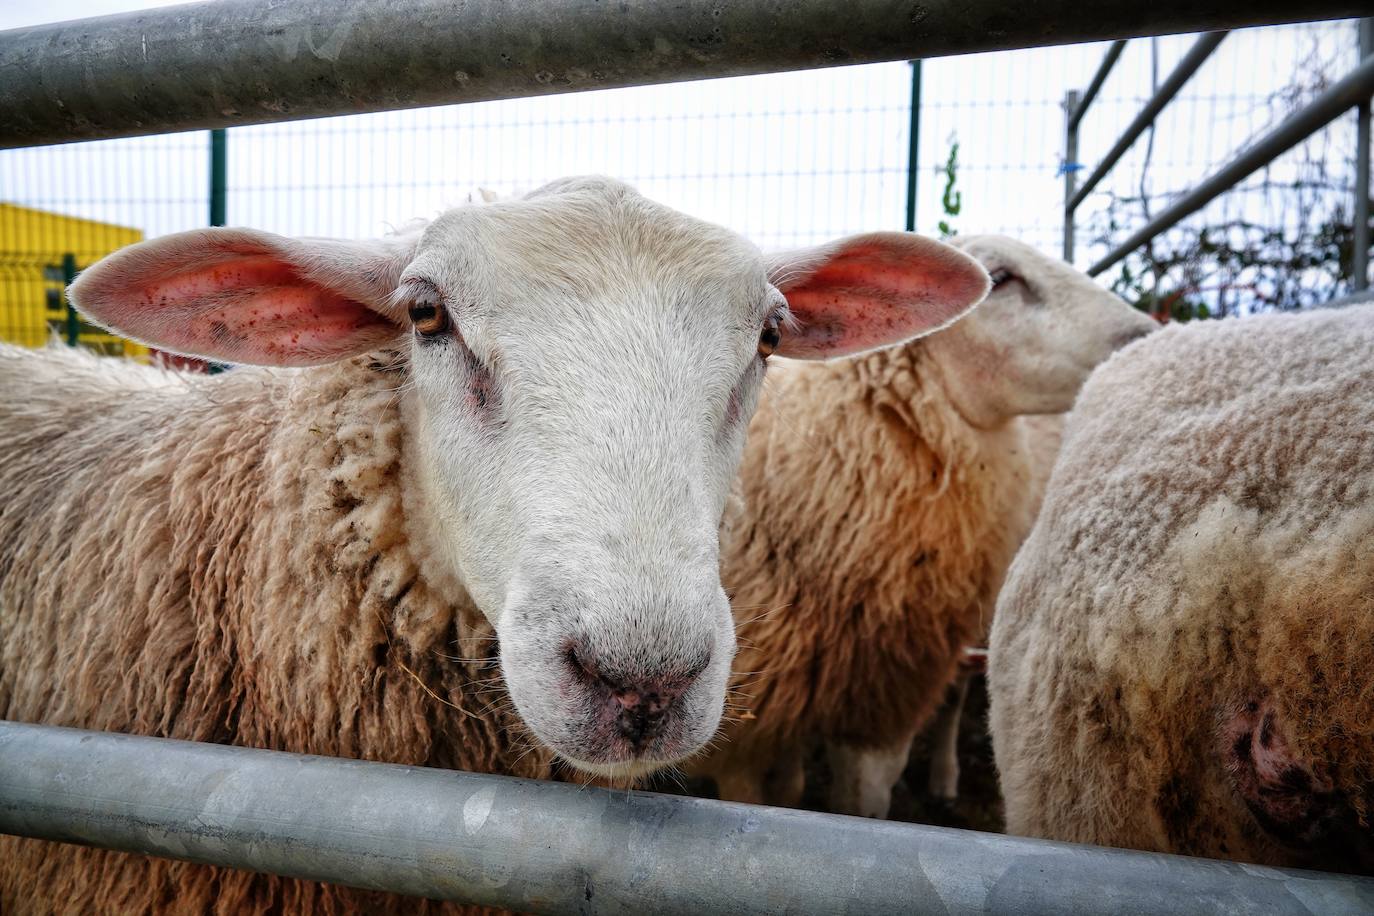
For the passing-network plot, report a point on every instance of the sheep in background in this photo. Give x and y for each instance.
(883, 499)
(1044, 432)
(521, 422)
(1181, 655)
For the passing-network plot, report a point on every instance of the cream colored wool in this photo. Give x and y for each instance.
(244, 578)
(854, 599)
(883, 498)
(1044, 433)
(1206, 543)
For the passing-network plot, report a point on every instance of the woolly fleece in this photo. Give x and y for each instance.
(1206, 543)
(224, 559)
(854, 600)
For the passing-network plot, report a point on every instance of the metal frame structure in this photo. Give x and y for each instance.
(1192, 61)
(1353, 91)
(551, 848)
(544, 847)
(1075, 107)
(236, 62)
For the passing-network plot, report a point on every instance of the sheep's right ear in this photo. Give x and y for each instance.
(243, 296)
(871, 291)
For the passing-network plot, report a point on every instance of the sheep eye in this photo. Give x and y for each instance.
(1000, 276)
(770, 337)
(428, 318)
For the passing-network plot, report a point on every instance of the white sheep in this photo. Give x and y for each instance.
(1181, 655)
(884, 497)
(522, 421)
(1044, 433)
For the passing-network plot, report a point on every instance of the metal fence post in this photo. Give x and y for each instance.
(1360, 262)
(913, 151)
(218, 169)
(1071, 99)
(68, 276)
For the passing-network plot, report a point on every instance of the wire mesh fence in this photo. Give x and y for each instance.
(787, 159)
(1282, 238)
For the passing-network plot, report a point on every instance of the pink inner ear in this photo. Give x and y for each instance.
(254, 309)
(234, 273)
(873, 294)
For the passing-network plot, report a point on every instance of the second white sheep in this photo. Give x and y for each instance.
(884, 497)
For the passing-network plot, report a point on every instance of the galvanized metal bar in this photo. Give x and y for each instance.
(1071, 105)
(1360, 264)
(1362, 297)
(913, 153)
(1355, 87)
(1103, 70)
(1196, 56)
(552, 848)
(234, 62)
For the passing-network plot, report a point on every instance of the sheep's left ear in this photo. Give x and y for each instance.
(870, 291)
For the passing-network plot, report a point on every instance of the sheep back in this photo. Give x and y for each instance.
(1193, 612)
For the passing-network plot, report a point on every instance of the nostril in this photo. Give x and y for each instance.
(637, 706)
(644, 720)
(645, 702)
(695, 670)
(585, 669)
(580, 661)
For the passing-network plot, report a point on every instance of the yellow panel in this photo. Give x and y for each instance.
(32, 243)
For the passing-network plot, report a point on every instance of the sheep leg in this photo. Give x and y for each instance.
(944, 755)
(786, 781)
(861, 778)
(741, 784)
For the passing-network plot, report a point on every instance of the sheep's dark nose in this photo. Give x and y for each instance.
(642, 712)
(637, 706)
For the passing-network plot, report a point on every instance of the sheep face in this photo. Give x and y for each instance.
(585, 362)
(1033, 342)
(580, 368)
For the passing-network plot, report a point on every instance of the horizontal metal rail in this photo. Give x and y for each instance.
(1359, 297)
(236, 62)
(552, 848)
(1196, 56)
(1356, 86)
(1090, 94)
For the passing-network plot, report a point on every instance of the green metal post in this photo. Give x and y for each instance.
(913, 151)
(68, 276)
(218, 169)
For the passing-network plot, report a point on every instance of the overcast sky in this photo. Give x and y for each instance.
(786, 158)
